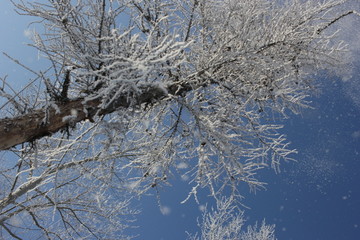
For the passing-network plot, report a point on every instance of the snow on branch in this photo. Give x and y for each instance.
(153, 89)
(226, 221)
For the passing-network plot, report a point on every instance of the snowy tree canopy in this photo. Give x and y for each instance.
(139, 91)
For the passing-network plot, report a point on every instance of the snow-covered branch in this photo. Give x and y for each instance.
(140, 90)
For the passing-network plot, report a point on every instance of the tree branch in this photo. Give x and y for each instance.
(49, 120)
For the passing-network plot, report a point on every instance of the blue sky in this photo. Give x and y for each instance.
(316, 198)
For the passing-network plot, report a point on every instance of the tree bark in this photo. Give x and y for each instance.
(45, 122)
(40, 123)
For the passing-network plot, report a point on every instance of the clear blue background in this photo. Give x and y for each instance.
(316, 198)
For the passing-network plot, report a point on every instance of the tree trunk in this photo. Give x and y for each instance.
(44, 122)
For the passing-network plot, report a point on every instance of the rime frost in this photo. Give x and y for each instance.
(171, 88)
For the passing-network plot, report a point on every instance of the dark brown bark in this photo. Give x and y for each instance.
(44, 122)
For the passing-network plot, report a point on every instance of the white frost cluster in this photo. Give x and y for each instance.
(226, 222)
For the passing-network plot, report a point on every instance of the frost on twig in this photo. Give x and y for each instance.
(227, 222)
